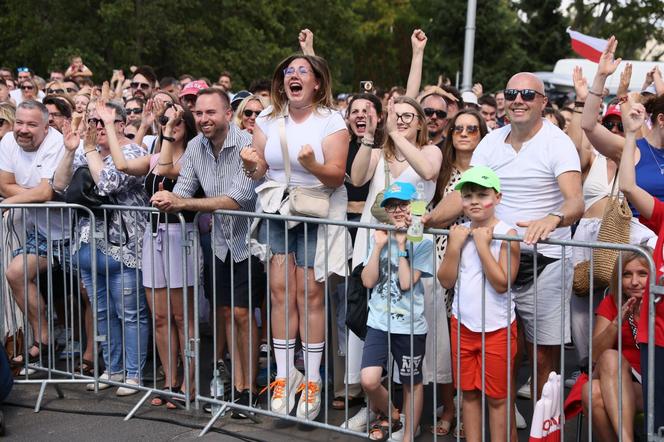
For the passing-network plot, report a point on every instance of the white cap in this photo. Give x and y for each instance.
(650, 89)
(469, 98)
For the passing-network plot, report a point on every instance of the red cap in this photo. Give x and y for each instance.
(614, 109)
(193, 87)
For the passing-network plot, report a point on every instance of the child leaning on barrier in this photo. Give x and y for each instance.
(481, 305)
(393, 269)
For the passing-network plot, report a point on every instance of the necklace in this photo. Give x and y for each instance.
(652, 152)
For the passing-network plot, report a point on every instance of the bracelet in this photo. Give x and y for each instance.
(171, 139)
(577, 111)
(592, 92)
(88, 151)
(366, 143)
(165, 164)
(579, 103)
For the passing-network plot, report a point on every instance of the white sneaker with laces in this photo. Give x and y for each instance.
(128, 391)
(571, 380)
(105, 377)
(359, 421)
(278, 402)
(524, 391)
(309, 405)
(520, 420)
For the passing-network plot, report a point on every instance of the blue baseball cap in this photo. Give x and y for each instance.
(399, 191)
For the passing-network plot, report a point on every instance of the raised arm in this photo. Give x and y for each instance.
(306, 39)
(166, 166)
(418, 41)
(366, 159)
(574, 131)
(607, 143)
(137, 166)
(63, 172)
(640, 199)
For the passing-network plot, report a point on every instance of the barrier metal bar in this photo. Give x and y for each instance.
(70, 377)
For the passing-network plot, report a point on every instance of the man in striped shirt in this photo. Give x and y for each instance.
(212, 161)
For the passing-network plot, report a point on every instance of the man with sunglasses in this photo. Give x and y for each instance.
(540, 173)
(142, 84)
(435, 109)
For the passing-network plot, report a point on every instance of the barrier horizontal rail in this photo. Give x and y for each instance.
(190, 243)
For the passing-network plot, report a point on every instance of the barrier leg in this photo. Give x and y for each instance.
(214, 418)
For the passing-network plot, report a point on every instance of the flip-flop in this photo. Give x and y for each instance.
(442, 427)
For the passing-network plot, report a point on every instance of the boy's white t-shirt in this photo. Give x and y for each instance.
(529, 178)
(29, 168)
(312, 131)
(467, 304)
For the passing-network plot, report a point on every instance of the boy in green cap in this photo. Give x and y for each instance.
(476, 312)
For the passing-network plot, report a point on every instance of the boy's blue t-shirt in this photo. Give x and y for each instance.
(399, 315)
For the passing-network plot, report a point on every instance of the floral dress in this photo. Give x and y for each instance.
(441, 241)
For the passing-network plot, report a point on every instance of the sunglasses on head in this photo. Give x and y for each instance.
(136, 85)
(22, 69)
(470, 129)
(135, 111)
(248, 113)
(526, 94)
(611, 124)
(441, 114)
(55, 91)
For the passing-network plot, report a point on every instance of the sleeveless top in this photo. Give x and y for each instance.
(152, 181)
(649, 171)
(360, 248)
(597, 184)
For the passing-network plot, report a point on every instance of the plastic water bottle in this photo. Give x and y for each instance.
(417, 209)
(216, 390)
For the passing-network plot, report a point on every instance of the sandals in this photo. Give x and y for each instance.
(33, 359)
(339, 402)
(173, 403)
(381, 427)
(163, 399)
(442, 427)
(459, 433)
(86, 368)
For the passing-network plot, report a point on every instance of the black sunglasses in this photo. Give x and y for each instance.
(55, 91)
(136, 85)
(136, 111)
(2, 121)
(130, 136)
(470, 129)
(27, 87)
(441, 114)
(611, 124)
(95, 121)
(248, 113)
(526, 94)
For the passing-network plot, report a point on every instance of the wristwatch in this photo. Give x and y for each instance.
(559, 215)
(403, 254)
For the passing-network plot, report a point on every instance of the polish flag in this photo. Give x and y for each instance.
(586, 46)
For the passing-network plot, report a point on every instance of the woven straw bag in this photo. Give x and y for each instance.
(615, 228)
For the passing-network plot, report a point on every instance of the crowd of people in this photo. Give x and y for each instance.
(508, 163)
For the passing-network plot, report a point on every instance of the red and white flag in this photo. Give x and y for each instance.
(586, 46)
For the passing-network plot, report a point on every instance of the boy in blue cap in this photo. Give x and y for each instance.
(396, 309)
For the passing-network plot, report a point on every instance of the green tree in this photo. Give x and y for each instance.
(542, 33)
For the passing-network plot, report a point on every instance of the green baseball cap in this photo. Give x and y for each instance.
(480, 175)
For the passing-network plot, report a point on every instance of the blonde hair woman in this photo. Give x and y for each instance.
(248, 111)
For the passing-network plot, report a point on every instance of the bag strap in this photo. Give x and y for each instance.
(612, 200)
(387, 170)
(284, 147)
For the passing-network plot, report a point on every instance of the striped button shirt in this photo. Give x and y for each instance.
(221, 176)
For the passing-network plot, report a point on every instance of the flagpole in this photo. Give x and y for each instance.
(469, 46)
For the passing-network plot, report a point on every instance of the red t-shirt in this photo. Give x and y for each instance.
(656, 224)
(607, 309)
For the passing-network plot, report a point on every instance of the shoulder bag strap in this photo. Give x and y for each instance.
(284, 147)
(387, 171)
(613, 199)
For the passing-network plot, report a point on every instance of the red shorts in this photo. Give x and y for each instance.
(495, 358)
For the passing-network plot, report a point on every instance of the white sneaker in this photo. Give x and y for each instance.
(360, 420)
(128, 391)
(278, 402)
(570, 381)
(309, 405)
(520, 420)
(105, 377)
(524, 391)
(398, 435)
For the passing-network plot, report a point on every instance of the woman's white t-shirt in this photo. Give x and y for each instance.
(312, 131)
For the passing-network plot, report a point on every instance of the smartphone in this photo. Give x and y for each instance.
(366, 87)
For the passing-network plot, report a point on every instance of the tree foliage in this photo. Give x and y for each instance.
(361, 39)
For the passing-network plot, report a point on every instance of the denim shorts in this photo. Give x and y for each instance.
(296, 244)
(38, 245)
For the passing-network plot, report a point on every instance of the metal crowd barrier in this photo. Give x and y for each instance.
(198, 351)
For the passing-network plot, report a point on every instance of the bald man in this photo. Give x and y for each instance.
(540, 179)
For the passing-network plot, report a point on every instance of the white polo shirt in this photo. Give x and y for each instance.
(29, 168)
(528, 178)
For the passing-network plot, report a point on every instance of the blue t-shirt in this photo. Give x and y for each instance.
(398, 312)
